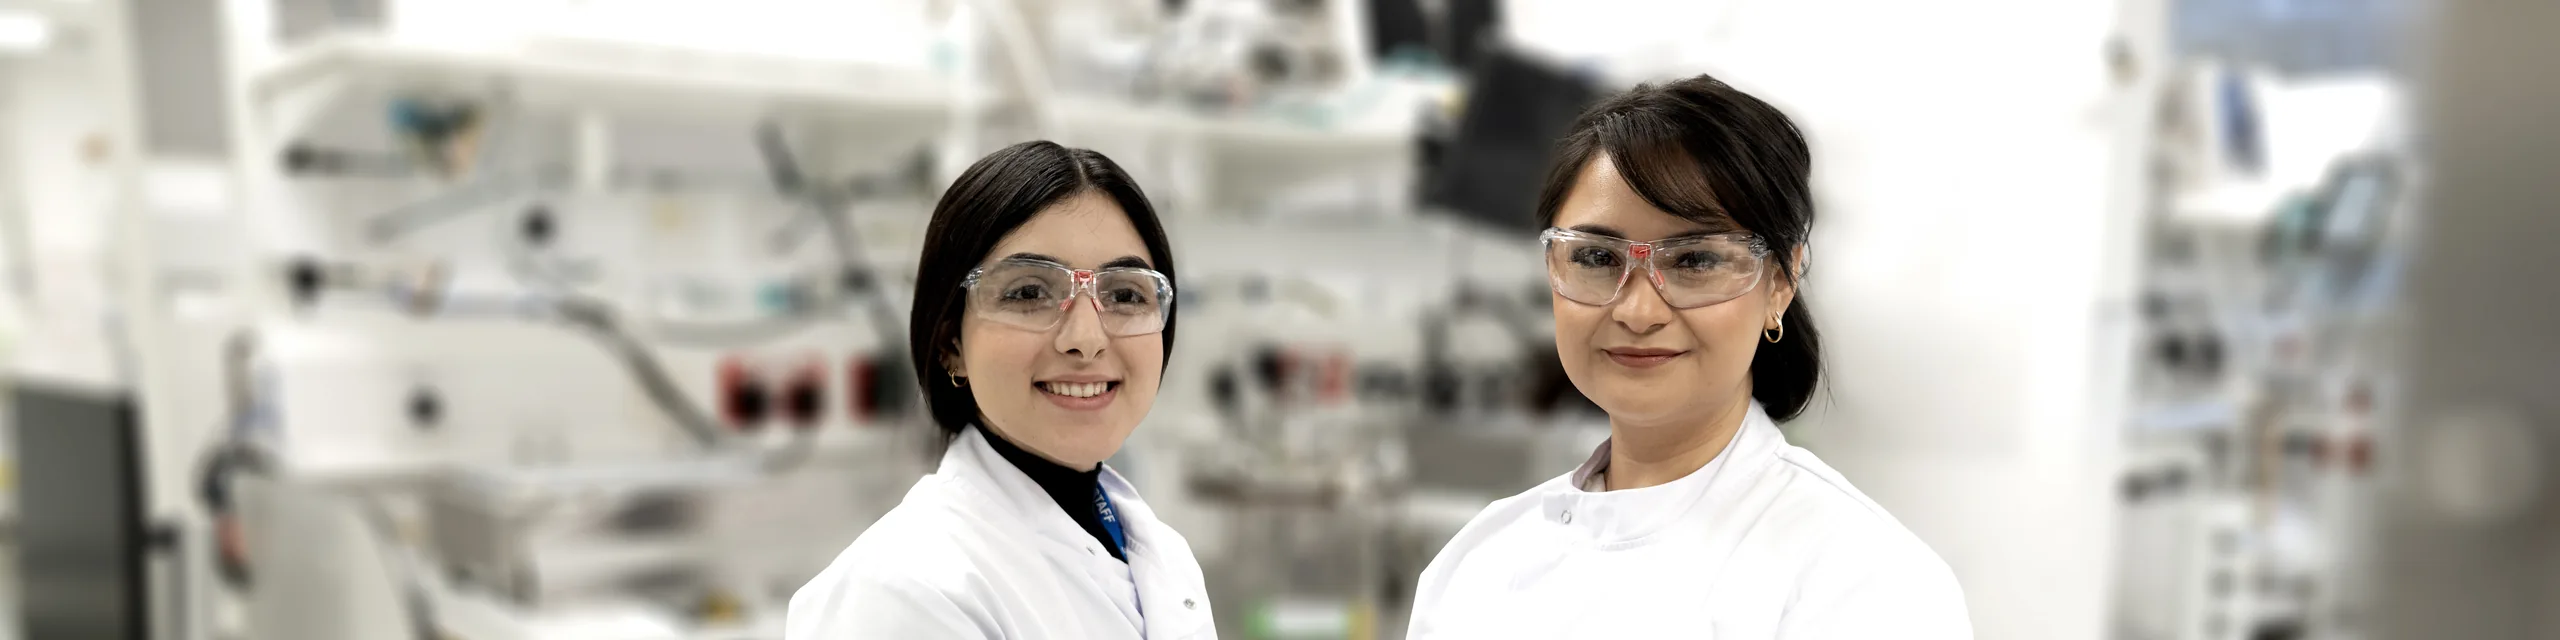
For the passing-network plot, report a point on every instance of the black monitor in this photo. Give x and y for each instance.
(81, 534)
(1454, 32)
(1491, 170)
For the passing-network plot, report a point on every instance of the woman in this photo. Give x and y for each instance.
(1043, 314)
(1677, 216)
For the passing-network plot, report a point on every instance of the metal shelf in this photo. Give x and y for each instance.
(624, 79)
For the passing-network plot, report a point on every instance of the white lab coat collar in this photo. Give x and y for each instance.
(1765, 541)
(1626, 517)
(1171, 597)
(979, 468)
(1017, 493)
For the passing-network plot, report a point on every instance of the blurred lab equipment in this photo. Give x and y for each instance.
(590, 353)
(1347, 444)
(1304, 485)
(2270, 283)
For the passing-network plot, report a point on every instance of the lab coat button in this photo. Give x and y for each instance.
(1188, 604)
(1568, 517)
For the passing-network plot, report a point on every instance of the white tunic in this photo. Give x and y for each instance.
(1763, 542)
(978, 550)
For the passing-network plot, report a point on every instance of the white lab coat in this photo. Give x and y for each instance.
(1763, 542)
(978, 550)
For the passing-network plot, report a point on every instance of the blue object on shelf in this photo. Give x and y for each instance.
(2242, 141)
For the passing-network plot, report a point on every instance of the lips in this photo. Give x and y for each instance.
(1642, 358)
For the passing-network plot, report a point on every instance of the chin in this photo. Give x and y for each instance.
(1095, 439)
(1649, 401)
(1640, 413)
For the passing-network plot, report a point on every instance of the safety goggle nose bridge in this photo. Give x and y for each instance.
(1642, 254)
(1081, 284)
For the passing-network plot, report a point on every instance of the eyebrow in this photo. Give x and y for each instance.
(1122, 261)
(1699, 230)
(1601, 229)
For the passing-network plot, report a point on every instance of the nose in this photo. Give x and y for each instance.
(1081, 332)
(1640, 307)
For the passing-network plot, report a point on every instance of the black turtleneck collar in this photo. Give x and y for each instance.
(1073, 490)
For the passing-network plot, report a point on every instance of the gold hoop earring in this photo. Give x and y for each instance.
(955, 379)
(1782, 332)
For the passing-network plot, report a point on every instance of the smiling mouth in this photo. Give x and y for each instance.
(1077, 389)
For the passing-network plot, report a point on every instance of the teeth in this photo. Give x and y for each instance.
(1076, 389)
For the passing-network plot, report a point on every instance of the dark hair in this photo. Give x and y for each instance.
(1702, 150)
(991, 199)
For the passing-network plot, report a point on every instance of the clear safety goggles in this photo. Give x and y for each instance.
(1690, 272)
(1035, 295)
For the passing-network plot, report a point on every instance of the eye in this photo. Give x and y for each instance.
(1032, 291)
(1700, 260)
(1595, 257)
(1125, 296)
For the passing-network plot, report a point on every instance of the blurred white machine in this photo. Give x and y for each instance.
(554, 335)
(553, 457)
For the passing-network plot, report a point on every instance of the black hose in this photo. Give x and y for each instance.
(830, 206)
(596, 319)
(446, 206)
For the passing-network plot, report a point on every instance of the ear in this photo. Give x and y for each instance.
(1785, 293)
(951, 360)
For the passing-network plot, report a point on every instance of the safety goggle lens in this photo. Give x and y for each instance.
(1037, 297)
(1692, 273)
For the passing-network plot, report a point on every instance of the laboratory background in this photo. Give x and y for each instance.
(585, 319)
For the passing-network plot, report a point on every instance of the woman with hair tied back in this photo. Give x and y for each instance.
(1676, 218)
(1043, 316)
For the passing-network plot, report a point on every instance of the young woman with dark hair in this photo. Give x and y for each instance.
(1677, 217)
(1043, 316)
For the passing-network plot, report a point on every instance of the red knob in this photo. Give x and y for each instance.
(862, 393)
(742, 399)
(803, 397)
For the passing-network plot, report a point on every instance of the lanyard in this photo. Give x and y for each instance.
(1111, 525)
(1110, 520)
